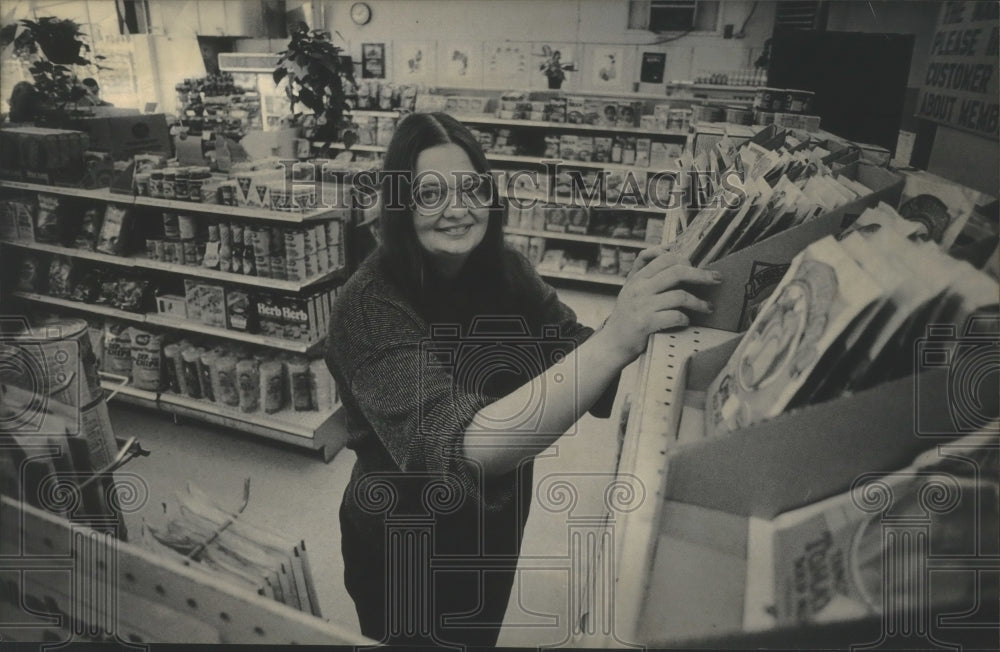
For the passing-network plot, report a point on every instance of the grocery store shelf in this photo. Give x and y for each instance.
(72, 252)
(165, 321)
(186, 270)
(541, 160)
(592, 277)
(99, 194)
(299, 428)
(229, 277)
(486, 119)
(93, 308)
(353, 148)
(243, 212)
(563, 200)
(575, 237)
(375, 113)
(715, 87)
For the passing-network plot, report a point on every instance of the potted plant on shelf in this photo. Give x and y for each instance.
(50, 46)
(554, 68)
(318, 77)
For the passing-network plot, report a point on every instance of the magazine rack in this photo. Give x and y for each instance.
(64, 580)
(681, 568)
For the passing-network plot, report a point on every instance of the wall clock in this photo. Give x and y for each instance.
(361, 13)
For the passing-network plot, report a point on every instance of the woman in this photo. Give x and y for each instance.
(446, 409)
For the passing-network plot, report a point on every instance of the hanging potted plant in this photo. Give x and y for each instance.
(318, 77)
(554, 68)
(51, 45)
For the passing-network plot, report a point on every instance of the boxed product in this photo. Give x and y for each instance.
(172, 305)
(584, 148)
(568, 147)
(628, 114)
(205, 302)
(552, 144)
(578, 219)
(576, 266)
(557, 109)
(650, 123)
(239, 316)
(575, 110)
(553, 260)
(664, 156)
(556, 218)
(642, 152)
(608, 113)
(602, 149)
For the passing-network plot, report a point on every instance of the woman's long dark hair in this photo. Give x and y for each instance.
(402, 253)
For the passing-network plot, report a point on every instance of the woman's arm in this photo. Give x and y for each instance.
(545, 407)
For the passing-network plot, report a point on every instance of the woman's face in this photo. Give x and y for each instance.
(449, 233)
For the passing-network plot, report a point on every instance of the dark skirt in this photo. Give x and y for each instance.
(439, 576)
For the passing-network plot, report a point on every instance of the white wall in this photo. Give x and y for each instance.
(538, 22)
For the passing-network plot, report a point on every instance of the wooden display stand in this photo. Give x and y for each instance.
(63, 580)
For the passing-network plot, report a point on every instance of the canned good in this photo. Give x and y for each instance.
(798, 101)
(769, 99)
(156, 183)
(169, 182)
(171, 226)
(181, 178)
(151, 251)
(190, 252)
(142, 183)
(739, 116)
(171, 252)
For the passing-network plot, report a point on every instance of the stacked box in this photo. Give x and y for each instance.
(205, 303)
(642, 151)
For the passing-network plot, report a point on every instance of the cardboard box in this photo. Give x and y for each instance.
(126, 135)
(805, 454)
(715, 488)
(749, 275)
(173, 305)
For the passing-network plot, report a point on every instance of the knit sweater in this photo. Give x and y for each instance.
(408, 399)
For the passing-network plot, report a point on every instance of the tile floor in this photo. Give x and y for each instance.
(296, 493)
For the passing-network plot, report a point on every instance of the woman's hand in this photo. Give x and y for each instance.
(651, 300)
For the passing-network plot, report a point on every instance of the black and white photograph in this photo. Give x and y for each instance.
(517, 324)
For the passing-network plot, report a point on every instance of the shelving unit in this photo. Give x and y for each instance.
(313, 430)
(485, 119)
(156, 319)
(535, 162)
(594, 239)
(92, 308)
(174, 268)
(589, 277)
(242, 212)
(563, 200)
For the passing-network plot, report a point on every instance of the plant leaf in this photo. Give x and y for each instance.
(279, 74)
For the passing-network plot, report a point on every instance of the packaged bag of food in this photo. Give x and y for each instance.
(60, 277)
(118, 348)
(248, 384)
(147, 359)
(48, 227)
(29, 277)
(90, 228)
(113, 228)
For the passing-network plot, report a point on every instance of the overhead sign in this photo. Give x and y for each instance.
(960, 87)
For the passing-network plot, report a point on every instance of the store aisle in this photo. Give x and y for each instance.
(295, 493)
